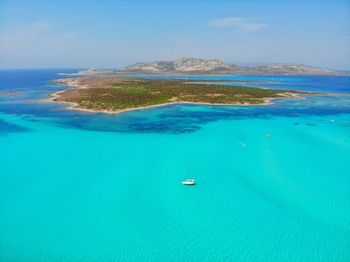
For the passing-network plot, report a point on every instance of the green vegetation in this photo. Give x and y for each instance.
(132, 93)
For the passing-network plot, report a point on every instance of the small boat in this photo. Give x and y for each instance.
(189, 182)
(242, 144)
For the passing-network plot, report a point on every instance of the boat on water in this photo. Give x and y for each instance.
(189, 182)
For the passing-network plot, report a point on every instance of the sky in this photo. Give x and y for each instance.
(113, 34)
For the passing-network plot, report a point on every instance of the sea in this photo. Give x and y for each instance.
(273, 182)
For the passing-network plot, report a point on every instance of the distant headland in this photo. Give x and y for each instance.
(199, 66)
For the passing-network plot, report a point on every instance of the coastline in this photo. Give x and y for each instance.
(75, 106)
(73, 83)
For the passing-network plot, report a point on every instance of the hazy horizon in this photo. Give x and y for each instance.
(244, 64)
(113, 34)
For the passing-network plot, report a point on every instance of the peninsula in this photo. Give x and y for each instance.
(111, 94)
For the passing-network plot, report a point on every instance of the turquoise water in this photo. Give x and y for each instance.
(273, 181)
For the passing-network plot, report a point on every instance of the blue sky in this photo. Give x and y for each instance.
(112, 34)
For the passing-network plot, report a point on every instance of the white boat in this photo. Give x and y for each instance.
(189, 182)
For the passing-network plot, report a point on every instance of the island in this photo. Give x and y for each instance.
(200, 66)
(113, 94)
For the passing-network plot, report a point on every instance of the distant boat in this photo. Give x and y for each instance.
(242, 144)
(189, 182)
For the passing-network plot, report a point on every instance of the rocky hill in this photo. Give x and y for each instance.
(214, 66)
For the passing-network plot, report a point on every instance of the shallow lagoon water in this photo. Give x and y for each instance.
(273, 181)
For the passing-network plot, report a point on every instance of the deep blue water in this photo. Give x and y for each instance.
(273, 181)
